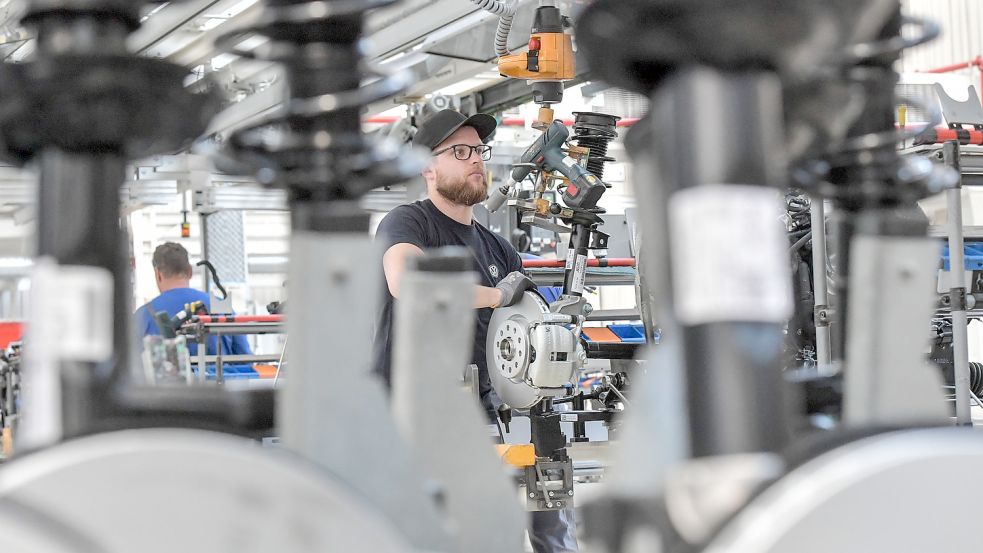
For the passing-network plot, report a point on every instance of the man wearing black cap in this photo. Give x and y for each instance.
(456, 182)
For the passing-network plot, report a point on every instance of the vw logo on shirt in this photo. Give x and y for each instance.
(494, 270)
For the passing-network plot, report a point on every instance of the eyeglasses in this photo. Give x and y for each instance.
(463, 151)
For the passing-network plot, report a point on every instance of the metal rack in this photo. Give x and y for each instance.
(200, 329)
(595, 275)
(967, 163)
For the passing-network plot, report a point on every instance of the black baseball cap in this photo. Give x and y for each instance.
(445, 122)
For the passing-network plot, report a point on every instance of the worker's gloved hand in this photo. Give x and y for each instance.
(512, 287)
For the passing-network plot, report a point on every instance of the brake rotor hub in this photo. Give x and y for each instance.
(512, 348)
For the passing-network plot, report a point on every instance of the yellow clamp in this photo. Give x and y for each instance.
(517, 455)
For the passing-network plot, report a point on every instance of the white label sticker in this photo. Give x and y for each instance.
(76, 307)
(729, 255)
(568, 417)
(579, 275)
(570, 260)
(70, 319)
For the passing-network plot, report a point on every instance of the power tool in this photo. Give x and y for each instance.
(168, 325)
(546, 154)
(546, 64)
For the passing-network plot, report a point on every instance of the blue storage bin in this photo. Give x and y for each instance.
(630, 333)
(973, 252)
(232, 372)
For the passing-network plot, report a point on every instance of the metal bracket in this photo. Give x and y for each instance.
(549, 485)
(823, 315)
(543, 223)
(957, 299)
(968, 112)
(570, 305)
(598, 240)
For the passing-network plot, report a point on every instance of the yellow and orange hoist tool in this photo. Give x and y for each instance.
(547, 63)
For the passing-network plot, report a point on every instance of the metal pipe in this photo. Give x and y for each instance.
(957, 289)
(209, 319)
(279, 363)
(239, 359)
(940, 135)
(817, 214)
(203, 222)
(219, 374)
(975, 62)
(234, 329)
(799, 243)
(557, 263)
(202, 351)
(506, 122)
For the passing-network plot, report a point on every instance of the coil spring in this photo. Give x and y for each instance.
(595, 131)
(797, 207)
(872, 155)
(942, 354)
(976, 378)
(316, 147)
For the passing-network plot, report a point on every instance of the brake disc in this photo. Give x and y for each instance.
(507, 350)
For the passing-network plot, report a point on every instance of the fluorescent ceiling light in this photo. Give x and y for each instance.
(221, 60)
(154, 11)
(236, 9)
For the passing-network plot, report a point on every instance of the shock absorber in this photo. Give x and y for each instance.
(78, 110)
(315, 149)
(707, 64)
(868, 181)
(877, 223)
(595, 131)
(733, 355)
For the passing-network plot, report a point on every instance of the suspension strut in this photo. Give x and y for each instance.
(869, 183)
(705, 63)
(592, 131)
(315, 149)
(318, 152)
(716, 188)
(78, 111)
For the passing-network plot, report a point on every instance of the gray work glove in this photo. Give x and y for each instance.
(512, 287)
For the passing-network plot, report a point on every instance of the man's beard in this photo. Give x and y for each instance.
(461, 192)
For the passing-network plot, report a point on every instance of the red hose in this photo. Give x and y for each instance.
(943, 134)
(976, 62)
(557, 263)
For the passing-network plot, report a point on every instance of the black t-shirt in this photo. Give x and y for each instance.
(425, 226)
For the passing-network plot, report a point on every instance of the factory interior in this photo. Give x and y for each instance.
(491, 276)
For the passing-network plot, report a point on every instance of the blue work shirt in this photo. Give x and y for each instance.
(173, 301)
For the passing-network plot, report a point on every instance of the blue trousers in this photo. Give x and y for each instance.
(553, 531)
